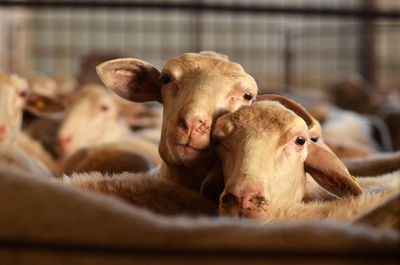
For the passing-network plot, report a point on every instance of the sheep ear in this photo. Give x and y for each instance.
(223, 127)
(329, 171)
(314, 127)
(290, 104)
(132, 79)
(44, 107)
(137, 115)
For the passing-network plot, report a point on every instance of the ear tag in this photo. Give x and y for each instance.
(41, 104)
(355, 179)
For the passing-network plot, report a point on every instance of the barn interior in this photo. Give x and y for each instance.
(338, 59)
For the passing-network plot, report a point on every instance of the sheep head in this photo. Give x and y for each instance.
(96, 116)
(15, 96)
(265, 151)
(195, 89)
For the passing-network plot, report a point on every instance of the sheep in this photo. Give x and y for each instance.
(261, 145)
(13, 93)
(43, 85)
(15, 96)
(355, 94)
(374, 165)
(13, 158)
(194, 89)
(130, 156)
(353, 131)
(65, 85)
(348, 133)
(95, 116)
(188, 113)
(145, 190)
(90, 227)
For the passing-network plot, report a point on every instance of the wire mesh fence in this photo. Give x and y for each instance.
(281, 50)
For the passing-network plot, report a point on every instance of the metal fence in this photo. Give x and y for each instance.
(281, 46)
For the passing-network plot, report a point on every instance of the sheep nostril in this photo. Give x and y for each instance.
(259, 201)
(184, 123)
(229, 200)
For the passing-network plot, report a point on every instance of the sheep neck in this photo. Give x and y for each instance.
(189, 177)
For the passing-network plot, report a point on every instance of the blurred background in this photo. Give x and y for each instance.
(329, 56)
(284, 44)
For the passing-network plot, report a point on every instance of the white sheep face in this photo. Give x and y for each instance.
(13, 93)
(90, 118)
(262, 159)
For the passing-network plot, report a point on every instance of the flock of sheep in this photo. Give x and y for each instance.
(210, 146)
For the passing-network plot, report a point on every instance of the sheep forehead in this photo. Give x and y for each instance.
(93, 94)
(266, 115)
(13, 81)
(196, 62)
(42, 83)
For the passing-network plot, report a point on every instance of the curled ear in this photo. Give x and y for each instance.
(223, 127)
(314, 127)
(132, 79)
(290, 104)
(44, 107)
(329, 171)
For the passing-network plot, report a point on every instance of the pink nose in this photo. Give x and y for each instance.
(195, 124)
(246, 203)
(63, 141)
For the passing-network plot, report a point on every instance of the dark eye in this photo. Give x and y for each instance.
(165, 79)
(300, 141)
(314, 139)
(248, 96)
(104, 108)
(23, 93)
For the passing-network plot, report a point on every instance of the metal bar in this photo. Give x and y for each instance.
(234, 8)
(368, 58)
(288, 61)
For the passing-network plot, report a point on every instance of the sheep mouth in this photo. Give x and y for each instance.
(191, 147)
(188, 155)
(258, 216)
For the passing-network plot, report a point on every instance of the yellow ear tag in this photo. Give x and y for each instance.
(354, 179)
(41, 105)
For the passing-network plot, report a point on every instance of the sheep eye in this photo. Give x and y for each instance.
(23, 93)
(165, 79)
(248, 96)
(104, 108)
(314, 139)
(300, 141)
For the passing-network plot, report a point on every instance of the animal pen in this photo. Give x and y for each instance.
(299, 47)
(283, 44)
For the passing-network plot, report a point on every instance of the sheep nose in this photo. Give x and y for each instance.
(246, 202)
(195, 124)
(63, 141)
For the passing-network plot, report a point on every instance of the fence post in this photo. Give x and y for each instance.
(368, 58)
(197, 25)
(288, 60)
